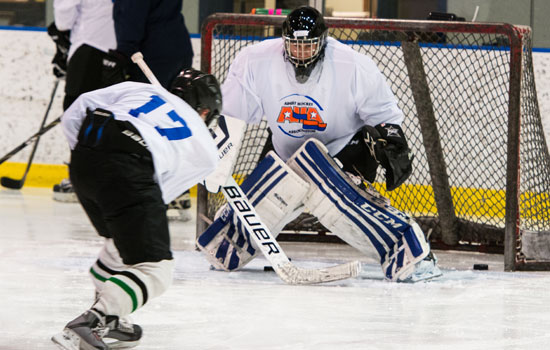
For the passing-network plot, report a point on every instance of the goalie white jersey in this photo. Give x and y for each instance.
(182, 148)
(344, 92)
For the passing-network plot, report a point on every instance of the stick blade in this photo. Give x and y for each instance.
(291, 274)
(11, 183)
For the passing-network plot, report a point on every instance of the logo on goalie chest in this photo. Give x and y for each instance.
(302, 111)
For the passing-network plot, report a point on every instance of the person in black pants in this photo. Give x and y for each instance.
(135, 147)
(156, 28)
(83, 32)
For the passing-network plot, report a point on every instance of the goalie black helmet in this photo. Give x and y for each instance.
(200, 90)
(304, 34)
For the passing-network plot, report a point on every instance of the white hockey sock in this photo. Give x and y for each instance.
(129, 289)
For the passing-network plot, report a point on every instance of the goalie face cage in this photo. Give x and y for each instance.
(481, 171)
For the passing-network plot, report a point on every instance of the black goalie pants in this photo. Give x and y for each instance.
(122, 200)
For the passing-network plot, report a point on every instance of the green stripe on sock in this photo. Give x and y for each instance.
(96, 275)
(127, 289)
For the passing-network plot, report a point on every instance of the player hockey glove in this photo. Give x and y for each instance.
(62, 43)
(388, 145)
(115, 68)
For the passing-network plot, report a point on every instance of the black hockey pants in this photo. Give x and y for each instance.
(83, 73)
(113, 179)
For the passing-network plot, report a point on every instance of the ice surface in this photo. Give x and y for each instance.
(46, 248)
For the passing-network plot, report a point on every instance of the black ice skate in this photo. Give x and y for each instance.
(180, 208)
(121, 333)
(64, 192)
(83, 333)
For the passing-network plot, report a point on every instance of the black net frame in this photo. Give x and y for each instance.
(482, 169)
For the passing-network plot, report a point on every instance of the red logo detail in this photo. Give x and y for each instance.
(308, 116)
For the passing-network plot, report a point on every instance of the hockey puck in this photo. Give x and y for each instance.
(481, 267)
(268, 268)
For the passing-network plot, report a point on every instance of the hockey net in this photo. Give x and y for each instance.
(481, 173)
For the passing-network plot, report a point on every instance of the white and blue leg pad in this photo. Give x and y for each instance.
(276, 193)
(363, 220)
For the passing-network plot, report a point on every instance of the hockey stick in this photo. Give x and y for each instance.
(261, 234)
(30, 140)
(17, 184)
(271, 249)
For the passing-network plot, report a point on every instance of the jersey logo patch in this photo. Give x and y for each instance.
(302, 111)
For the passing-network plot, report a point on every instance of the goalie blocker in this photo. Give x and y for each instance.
(311, 180)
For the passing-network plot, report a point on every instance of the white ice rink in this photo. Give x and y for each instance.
(46, 248)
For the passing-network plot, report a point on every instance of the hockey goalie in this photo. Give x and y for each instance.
(333, 120)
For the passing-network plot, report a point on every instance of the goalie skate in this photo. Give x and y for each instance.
(425, 270)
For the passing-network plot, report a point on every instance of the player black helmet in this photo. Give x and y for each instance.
(200, 90)
(304, 34)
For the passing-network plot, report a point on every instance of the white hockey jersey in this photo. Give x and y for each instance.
(183, 150)
(90, 22)
(343, 93)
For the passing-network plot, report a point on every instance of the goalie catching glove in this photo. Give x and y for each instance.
(389, 147)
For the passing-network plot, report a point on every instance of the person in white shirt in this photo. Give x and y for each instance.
(89, 27)
(135, 147)
(308, 87)
(92, 35)
(320, 89)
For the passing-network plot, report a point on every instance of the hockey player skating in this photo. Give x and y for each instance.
(135, 147)
(333, 121)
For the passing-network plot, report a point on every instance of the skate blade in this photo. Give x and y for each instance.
(178, 215)
(67, 340)
(120, 344)
(426, 270)
(65, 197)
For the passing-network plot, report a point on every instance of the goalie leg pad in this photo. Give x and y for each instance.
(276, 193)
(361, 219)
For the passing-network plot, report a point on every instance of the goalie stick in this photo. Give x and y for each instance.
(271, 249)
(260, 233)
